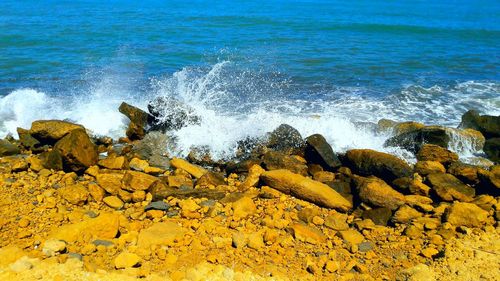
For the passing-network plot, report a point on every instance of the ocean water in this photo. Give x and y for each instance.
(247, 66)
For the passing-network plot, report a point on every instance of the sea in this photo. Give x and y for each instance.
(245, 67)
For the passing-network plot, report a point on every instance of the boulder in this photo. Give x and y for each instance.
(306, 189)
(194, 170)
(430, 152)
(318, 151)
(111, 182)
(429, 167)
(135, 132)
(274, 160)
(133, 181)
(398, 128)
(77, 151)
(7, 148)
(50, 131)
(285, 139)
(52, 160)
(369, 162)
(380, 216)
(28, 141)
(449, 188)
(465, 172)
(492, 149)
(376, 192)
(488, 125)
(171, 114)
(466, 214)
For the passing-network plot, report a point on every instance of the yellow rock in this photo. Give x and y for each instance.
(466, 214)
(243, 208)
(10, 254)
(111, 182)
(105, 226)
(255, 241)
(253, 177)
(178, 181)
(162, 233)
(113, 202)
(127, 260)
(52, 129)
(75, 194)
(194, 170)
(307, 234)
(306, 189)
(114, 163)
(429, 167)
(351, 236)
(376, 192)
(133, 181)
(52, 247)
(138, 164)
(96, 192)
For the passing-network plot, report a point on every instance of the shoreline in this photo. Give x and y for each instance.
(287, 207)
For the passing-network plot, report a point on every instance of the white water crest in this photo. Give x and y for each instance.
(234, 105)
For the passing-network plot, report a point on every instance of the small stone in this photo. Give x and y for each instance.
(405, 214)
(420, 272)
(332, 266)
(75, 194)
(253, 177)
(133, 181)
(351, 236)
(52, 247)
(127, 260)
(255, 241)
(239, 240)
(22, 264)
(24, 222)
(337, 221)
(157, 205)
(96, 192)
(194, 170)
(243, 208)
(307, 234)
(138, 196)
(429, 252)
(114, 163)
(429, 167)
(365, 246)
(113, 202)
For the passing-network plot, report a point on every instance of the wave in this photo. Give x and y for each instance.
(236, 104)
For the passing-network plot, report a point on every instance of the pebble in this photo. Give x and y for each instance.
(113, 202)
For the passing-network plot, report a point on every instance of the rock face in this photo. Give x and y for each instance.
(430, 152)
(306, 189)
(449, 188)
(274, 160)
(318, 151)
(77, 151)
(286, 139)
(466, 214)
(376, 192)
(488, 125)
(50, 131)
(492, 149)
(368, 162)
(7, 148)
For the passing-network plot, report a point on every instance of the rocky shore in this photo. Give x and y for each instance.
(74, 206)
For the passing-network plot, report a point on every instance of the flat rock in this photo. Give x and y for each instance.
(466, 214)
(133, 180)
(51, 247)
(351, 236)
(449, 188)
(430, 152)
(192, 169)
(337, 221)
(113, 202)
(161, 233)
(369, 162)
(488, 125)
(307, 234)
(405, 214)
(306, 189)
(243, 208)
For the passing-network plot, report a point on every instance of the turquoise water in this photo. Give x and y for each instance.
(250, 65)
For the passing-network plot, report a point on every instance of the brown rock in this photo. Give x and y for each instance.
(380, 216)
(306, 189)
(405, 214)
(77, 150)
(111, 182)
(429, 167)
(464, 172)
(194, 170)
(319, 151)
(376, 192)
(274, 160)
(133, 181)
(369, 162)
(337, 221)
(75, 194)
(466, 214)
(114, 163)
(430, 152)
(449, 188)
(50, 131)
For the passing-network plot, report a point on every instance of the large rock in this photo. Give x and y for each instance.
(318, 151)
(135, 115)
(7, 148)
(50, 131)
(161, 234)
(77, 151)
(488, 125)
(133, 181)
(492, 149)
(286, 139)
(376, 192)
(52, 159)
(449, 188)
(274, 160)
(111, 182)
(306, 189)
(431, 152)
(398, 128)
(171, 114)
(105, 226)
(466, 214)
(369, 162)
(194, 170)
(28, 141)
(465, 172)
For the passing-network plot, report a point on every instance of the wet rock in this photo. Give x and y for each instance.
(308, 234)
(162, 234)
(449, 188)
(114, 163)
(274, 160)
(157, 205)
(414, 140)
(488, 125)
(466, 214)
(127, 260)
(405, 214)
(134, 114)
(437, 153)
(285, 139)
(492, 149)
(75, 194)
(429, 167)
(133, 181)
(135, 132)
(380, 216)
(306, 189)
(50, 131)
(376, 192)
(385, 125)
(370, 162)
(7, 148)
(318, 151)
(171, 114)
(194, 170)
(77, 151)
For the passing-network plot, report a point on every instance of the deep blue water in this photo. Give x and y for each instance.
(361, 60)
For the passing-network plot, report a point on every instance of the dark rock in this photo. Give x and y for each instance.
(171, 114)
(370, 162)
(7, 148)
(242, 166)
(465, 172)
(285, 139)
(250, 148)
(449, 188)
(489, 182)
(28, 141)
(414, 140)
(135, 115)
(320, 152)
(160, 191)
(211, 178)
(341, 187)
(365, 246)
(135, 132)
(52, 160)
(50, 131)
(105, 243)
(77, 151)
(492, 149)
(379, 216)
(157, 205)
(430, 152)
(274, 160)
(488, 125)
